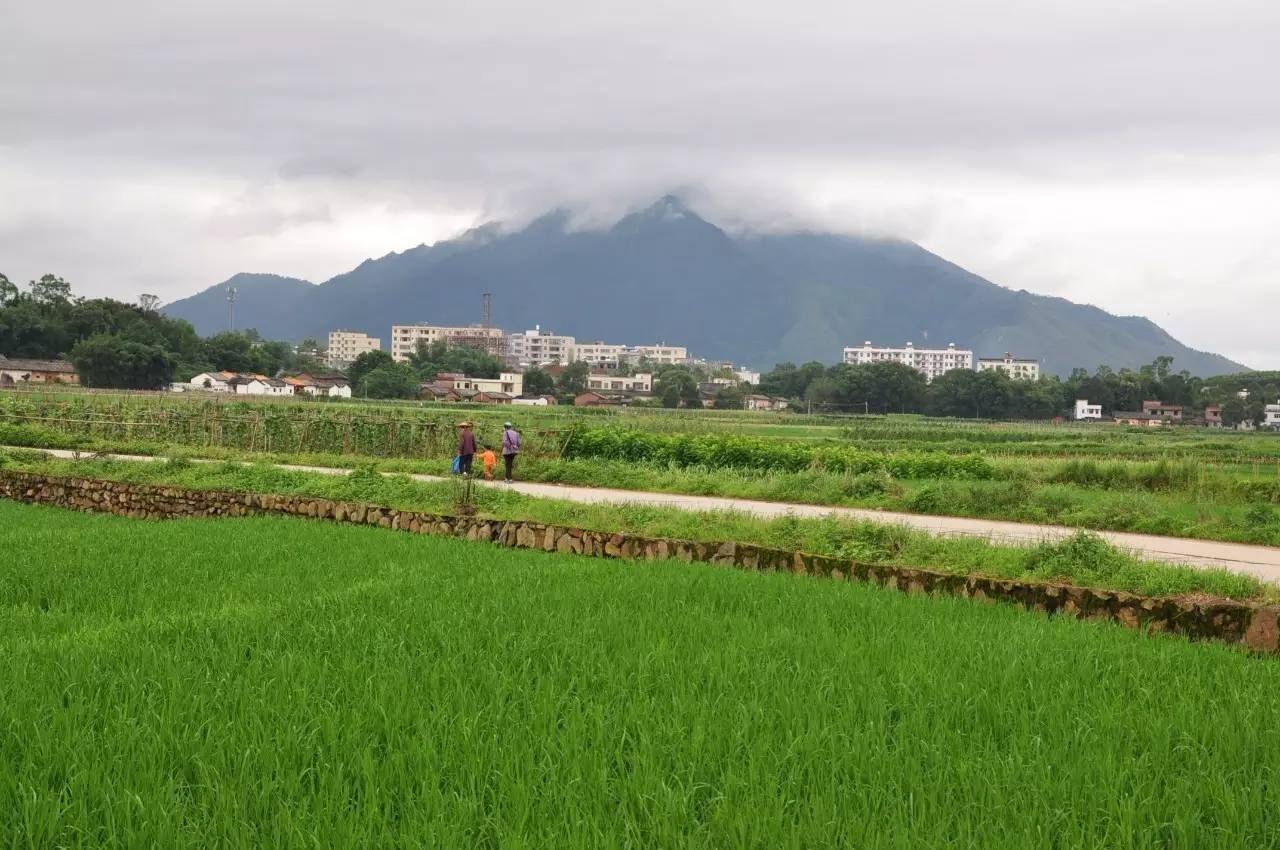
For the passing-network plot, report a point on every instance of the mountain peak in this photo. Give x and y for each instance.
(669, 207)
(665, 272)
(666, 214)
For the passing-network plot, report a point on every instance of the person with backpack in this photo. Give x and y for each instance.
(510, 448)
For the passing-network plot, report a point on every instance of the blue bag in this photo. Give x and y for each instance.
(457, 465)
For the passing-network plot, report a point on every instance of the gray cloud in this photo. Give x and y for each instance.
(1122, 156)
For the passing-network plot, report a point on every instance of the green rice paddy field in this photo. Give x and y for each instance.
(284, 683)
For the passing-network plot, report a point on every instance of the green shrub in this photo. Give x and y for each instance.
(930, 499)
(1055, 501)
(1259, 516)
(1081, 554)
(867, 484)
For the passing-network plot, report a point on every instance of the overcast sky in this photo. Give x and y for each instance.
(1126, 155)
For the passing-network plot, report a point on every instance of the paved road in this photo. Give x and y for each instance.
(1260, 561)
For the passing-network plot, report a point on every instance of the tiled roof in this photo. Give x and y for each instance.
(36, 365)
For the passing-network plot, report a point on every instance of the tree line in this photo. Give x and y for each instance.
(130, 346)
(890, 387)
(135, 346)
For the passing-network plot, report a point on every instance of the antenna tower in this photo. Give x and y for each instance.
(231, 304)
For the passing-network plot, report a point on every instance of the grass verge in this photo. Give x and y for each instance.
(1084, 559)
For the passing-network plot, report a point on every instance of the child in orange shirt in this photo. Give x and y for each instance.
(489, 459)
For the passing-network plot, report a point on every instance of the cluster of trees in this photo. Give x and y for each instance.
(374, 374)
(889, 387)
(129, 346)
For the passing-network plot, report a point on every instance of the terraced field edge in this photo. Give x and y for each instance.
(1251, 625)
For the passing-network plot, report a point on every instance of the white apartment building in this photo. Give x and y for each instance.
(599, 354)
(405, 339)
(930, 362)
(539, 348)
(1018, 368)
(1084, 410)
(1271, 415)
(346, 346)
(747, 376)
(661, 353)
(641, 383)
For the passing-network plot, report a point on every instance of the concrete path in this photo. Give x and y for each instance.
(1260, 561)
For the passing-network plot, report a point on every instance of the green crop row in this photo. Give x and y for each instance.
(253, 426)
(727, 451)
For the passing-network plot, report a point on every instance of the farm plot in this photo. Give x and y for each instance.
(1185, 483)
(284, 683)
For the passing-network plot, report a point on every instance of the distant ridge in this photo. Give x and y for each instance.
(665, 273)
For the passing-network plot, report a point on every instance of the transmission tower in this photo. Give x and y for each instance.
(231, 304)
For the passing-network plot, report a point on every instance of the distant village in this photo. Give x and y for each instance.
(617, 374)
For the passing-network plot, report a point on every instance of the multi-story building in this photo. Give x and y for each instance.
(599, 355)
(1018, 368)
(661, 353)
(641, 383)
(539, 348)
(930, 362)
(346, 346)
(509, 383)
(405, 339)
(1271, 415)
(1160, 410)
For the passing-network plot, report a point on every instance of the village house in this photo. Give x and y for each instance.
(641, 383)
(261, 385)
(763, 402)
(594, 398)
(16, 372)
(1159, 409)
(217, 382)
(432, 392)
(454, 386)
(323, 386)
(1085, 410)
(511, 383)
(1138, 419)
(1213, 416)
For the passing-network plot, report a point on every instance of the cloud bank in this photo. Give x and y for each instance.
(1126, 157)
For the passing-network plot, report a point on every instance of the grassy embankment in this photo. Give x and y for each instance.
(1083, 559)
(284, 683)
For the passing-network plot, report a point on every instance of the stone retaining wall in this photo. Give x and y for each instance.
(1255, 626)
